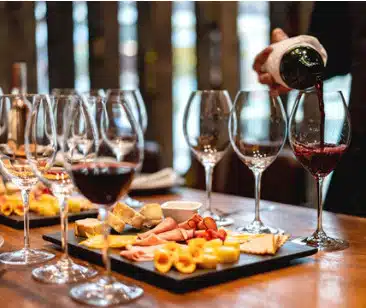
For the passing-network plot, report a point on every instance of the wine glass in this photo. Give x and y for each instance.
(103, 173)
(257, 132)
(205, 127)
(63, 91)
(43, 132)
(14, 111)
(319, 134)
(136, 103)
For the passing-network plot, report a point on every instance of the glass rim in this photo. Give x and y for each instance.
(313, 90)
(209, 91)
(122, 90)
(24, 95)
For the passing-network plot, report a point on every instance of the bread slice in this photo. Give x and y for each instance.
(153, 214)
(128, 215)
(115, 222)
(90, 226)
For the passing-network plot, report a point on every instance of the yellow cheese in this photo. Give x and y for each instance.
(86, 226)
(153, 214)
(128, 215)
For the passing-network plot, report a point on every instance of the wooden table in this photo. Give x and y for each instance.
(335, 279)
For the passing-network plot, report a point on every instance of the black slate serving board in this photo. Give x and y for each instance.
(180, 283)
(36, 221)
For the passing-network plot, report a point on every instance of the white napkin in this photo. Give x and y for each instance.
(162, 179)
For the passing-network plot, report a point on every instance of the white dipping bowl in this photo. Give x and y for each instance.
(180, 210)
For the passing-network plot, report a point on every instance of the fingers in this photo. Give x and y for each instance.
(266, 78)
(261, 58)
(278, 35)
(275, 88)
(279, 89)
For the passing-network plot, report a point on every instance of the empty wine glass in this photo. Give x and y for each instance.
(257, 133)
(103, 172)
(319, 134)
(136, 103)
(64, 91)
(205, 127)
(42, 131)
(14, 111)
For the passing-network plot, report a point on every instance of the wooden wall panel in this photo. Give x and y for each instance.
(17, 33)
(60, 45)
(111, 44)
(155, 73)
(104, 59)
(96, 44)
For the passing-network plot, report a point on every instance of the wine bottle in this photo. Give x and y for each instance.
(297, 63)
(19, 78)
(19, 112)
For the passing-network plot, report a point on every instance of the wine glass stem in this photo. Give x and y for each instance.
(319, 186)
(105, 251)
(208, 173)
(25, 199)
(257, 178)
(64, 224)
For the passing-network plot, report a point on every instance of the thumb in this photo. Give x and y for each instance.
(278, 35)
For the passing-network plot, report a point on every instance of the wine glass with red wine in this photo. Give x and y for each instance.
(135, 102)
(257, 130)
(44, 129)
(102, 169)
(319, 134)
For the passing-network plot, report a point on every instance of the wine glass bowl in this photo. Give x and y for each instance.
(135, 102)
(15, 111)
(257, 131)
(103, 173)
(205, 127)
(319, 134)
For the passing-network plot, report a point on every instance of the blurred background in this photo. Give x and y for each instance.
(167, 49)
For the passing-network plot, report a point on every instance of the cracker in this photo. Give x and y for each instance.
(262, 245)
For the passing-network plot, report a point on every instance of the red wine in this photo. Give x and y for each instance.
(103, 183)
(301, 67)
(319, 92)
(318, 160)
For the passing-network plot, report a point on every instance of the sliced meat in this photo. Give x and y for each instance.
(151, 240)
(177, 235)
(207, 223)
(191, 223)
(166, 225)
(138, 254)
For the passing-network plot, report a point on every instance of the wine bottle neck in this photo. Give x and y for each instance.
(19, 78)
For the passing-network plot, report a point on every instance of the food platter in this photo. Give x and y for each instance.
(36, 221)
(181, 283)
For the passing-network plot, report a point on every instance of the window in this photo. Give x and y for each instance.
(253, 30)
(40, 12)
(81, 46)
(127, 19)
(184, 75)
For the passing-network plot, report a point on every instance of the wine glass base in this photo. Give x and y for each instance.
(26, 256)
(106, 291)
(322, 242)
(257, 227)
(63, 271)
(221, 221)
(132, 202)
